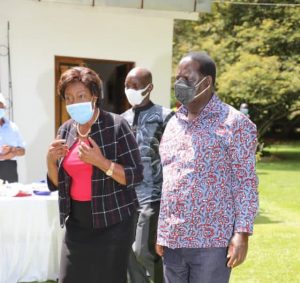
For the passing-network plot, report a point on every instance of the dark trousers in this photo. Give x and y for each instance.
(144, 264)
(8, 171)
(199, 265)
(94, 255)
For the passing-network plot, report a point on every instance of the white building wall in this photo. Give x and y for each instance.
(39, 31)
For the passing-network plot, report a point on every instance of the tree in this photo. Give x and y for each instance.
(257, 51)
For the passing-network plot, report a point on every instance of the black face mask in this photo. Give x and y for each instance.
(186, 93)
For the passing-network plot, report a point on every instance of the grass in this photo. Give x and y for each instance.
(274, 249)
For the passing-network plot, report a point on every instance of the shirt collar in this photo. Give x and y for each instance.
(213, 106)
(143, 108)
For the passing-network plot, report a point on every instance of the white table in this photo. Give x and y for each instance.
(30, 238)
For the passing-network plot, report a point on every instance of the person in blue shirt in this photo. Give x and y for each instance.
(148, 121)
(11, 146)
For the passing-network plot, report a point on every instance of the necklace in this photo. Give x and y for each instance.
(83, 135)
(89, 130)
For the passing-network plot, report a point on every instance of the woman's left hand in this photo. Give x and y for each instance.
(90, 154)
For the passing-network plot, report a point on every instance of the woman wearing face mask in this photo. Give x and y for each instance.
(95, 165)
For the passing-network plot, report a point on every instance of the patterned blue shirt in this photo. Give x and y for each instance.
(210, 185)
(148, 123)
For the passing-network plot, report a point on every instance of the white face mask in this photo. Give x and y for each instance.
(134, 96)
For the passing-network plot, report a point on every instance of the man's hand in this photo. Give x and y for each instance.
(237, 250)
(159, 250)
(7, 152)
(5, 149)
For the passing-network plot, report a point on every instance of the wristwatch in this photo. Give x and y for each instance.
(110, 170)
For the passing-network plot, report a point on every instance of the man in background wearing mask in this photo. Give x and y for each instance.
(244, 109)
(147, 121)
(209, 195)
(11, 146)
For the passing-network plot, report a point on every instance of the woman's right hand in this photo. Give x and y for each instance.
(57, 150)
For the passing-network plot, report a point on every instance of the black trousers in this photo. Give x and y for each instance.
(94, 255)
(8, 171)
(145, 265)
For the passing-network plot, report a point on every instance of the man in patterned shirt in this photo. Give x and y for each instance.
(148, 121)
(209, 196)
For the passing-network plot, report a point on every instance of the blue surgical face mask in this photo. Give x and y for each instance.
(2, 113)
(81, 112)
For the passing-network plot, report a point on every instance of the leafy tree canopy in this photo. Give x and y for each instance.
(257, 52)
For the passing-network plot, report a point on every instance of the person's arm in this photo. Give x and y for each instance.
(159, 250)
(18, 151)
(168, 114)
(93, 155)
(52, 176)
(58, 149)
(129, 171)
(237, 250)
(244, 188)
(10, 152)
(129, 155)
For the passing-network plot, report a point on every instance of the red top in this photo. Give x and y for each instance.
(81, 174)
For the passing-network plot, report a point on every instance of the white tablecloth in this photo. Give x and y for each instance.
(30, 238)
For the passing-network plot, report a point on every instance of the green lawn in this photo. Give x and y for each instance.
(274, 249)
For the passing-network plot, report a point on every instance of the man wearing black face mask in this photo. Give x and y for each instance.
(209, 196)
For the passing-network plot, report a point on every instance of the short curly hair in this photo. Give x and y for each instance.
(207, 66)
(84, 75)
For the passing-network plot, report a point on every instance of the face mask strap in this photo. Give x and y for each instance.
(94, 103)
(197, 85)
(204, 90)
(140, 90)
(145, 88)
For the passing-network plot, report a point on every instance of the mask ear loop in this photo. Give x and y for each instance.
(145, 87)
(147, 92)
(141, 90)
(102, 90)
(204, 90)
(100, 98)
(95, 103)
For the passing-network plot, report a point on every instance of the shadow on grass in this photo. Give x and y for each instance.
(279, 166)
(261, 173)
(261, 218)
(281, 160)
